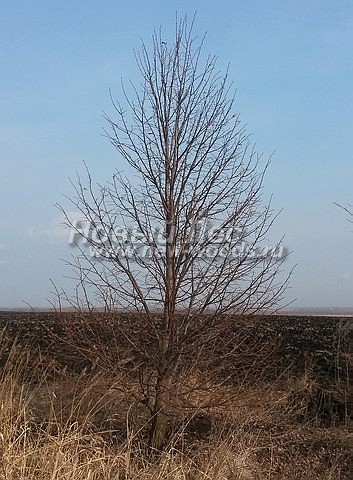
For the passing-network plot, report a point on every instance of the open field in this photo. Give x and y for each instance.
(279, 408)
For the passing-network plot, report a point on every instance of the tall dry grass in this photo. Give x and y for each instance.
(59, 425)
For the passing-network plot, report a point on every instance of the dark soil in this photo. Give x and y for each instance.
(321, 344)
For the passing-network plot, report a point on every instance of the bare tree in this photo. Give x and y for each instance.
(180, 238)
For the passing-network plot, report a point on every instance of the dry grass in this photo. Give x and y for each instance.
(60, 425)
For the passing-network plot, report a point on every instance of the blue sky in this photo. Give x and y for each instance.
(291, 63)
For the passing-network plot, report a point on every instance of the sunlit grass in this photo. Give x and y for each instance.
(58, 425)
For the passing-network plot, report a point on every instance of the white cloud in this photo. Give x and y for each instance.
(57, 229)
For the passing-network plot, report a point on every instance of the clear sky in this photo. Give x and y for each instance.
(292, 65)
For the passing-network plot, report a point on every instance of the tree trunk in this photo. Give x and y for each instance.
(158, 431)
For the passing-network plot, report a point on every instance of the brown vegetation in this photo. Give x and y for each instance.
(282, 414)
